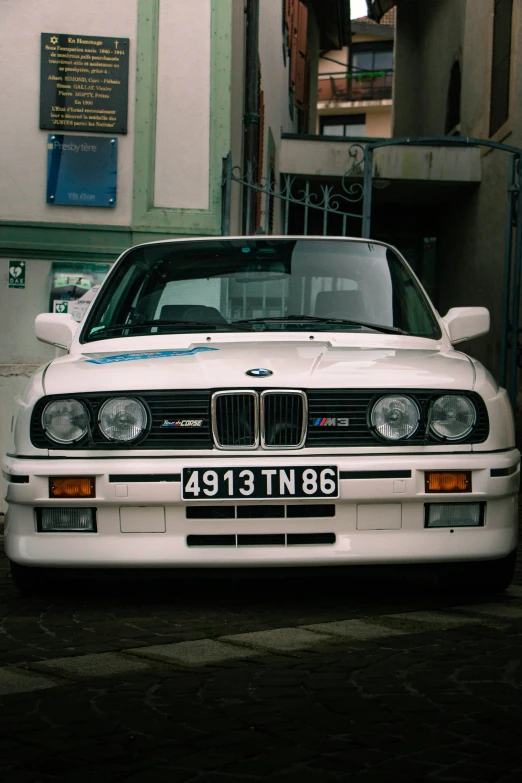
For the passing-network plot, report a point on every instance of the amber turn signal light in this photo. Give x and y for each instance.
(448, 481)
(72, 487)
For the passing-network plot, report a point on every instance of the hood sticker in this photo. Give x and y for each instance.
(133, 357)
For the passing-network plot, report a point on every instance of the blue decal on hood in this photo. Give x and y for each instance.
(132, 357)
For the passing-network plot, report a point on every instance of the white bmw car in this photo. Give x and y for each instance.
(263, 401)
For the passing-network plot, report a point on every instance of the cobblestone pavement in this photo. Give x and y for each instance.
(375, 677)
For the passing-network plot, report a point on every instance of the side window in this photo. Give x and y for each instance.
(113, 298)
(408, 310)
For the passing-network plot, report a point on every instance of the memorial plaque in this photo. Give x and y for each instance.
(84, 83)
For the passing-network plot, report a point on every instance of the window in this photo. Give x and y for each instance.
(500, 65)
(344, 125)
(176, 287)
(453, 103)
(369, 57)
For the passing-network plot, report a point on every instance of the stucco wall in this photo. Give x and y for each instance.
(379, 122)
(183, 113)
(19, 308)
(429, 38)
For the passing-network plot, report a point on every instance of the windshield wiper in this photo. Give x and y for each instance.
(315, 319)
(186, 325)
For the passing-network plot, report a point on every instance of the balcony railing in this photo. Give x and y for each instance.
(354, 85)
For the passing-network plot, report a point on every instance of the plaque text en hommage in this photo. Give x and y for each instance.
(84, 83)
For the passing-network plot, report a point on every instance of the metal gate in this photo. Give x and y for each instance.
(339, 205)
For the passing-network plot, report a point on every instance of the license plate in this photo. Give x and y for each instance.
(260, 483)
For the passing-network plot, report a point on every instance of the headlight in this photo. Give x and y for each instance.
(65, 421)
(452, 417)
(395, 417)
(122, 419)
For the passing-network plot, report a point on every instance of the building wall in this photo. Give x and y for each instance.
(24, 146)
(274, 68)
(182, 155)
(378, 112)
(430, 36)
(378, 121)
(470, 256)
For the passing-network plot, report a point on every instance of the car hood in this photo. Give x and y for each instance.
(293, 364)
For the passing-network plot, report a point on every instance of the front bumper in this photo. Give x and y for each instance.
(378, 517)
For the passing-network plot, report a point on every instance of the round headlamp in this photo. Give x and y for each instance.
(65, 421)
(395, 417)
(122, 419)
(452, 417)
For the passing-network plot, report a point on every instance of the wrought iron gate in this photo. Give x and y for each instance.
(356, 187)
(312, 197)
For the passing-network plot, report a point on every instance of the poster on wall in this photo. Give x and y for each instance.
(74, 286)
(84, 83)
(16, 277)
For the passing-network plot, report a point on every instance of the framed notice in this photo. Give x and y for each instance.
(74, 286)
(82, 170)
(84, 83)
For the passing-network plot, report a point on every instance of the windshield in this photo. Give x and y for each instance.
(260, 284)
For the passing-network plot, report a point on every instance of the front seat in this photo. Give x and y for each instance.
(202, 313)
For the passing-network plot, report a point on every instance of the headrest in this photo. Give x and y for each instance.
(201, 313)
(340, 304)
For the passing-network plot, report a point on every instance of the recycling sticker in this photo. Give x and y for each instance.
(16, 274)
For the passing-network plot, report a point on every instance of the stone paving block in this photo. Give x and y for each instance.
(198, 653)
(15, 682)
(94, 665)
(279, 640)
(493, 609)
(438, 620)
(358, 630)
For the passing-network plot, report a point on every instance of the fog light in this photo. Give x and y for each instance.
(72, 487)
(66, 520)
(454, 514)
(448, 481)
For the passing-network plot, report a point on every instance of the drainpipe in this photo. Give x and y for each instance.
(251, 115)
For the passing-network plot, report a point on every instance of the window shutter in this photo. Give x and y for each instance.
(292, 39)
(300, 54)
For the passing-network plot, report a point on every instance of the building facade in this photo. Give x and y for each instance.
(354, 91)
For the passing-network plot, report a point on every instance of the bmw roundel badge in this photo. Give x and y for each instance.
(259, 372)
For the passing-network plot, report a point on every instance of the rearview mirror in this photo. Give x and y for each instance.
(56, 329)
(464, 323)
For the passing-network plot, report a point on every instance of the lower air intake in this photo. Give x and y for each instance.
(263, 539)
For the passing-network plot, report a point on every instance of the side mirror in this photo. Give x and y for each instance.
(56, 329)
(464, 323)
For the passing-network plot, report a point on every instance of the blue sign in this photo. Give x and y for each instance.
(81, 170)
